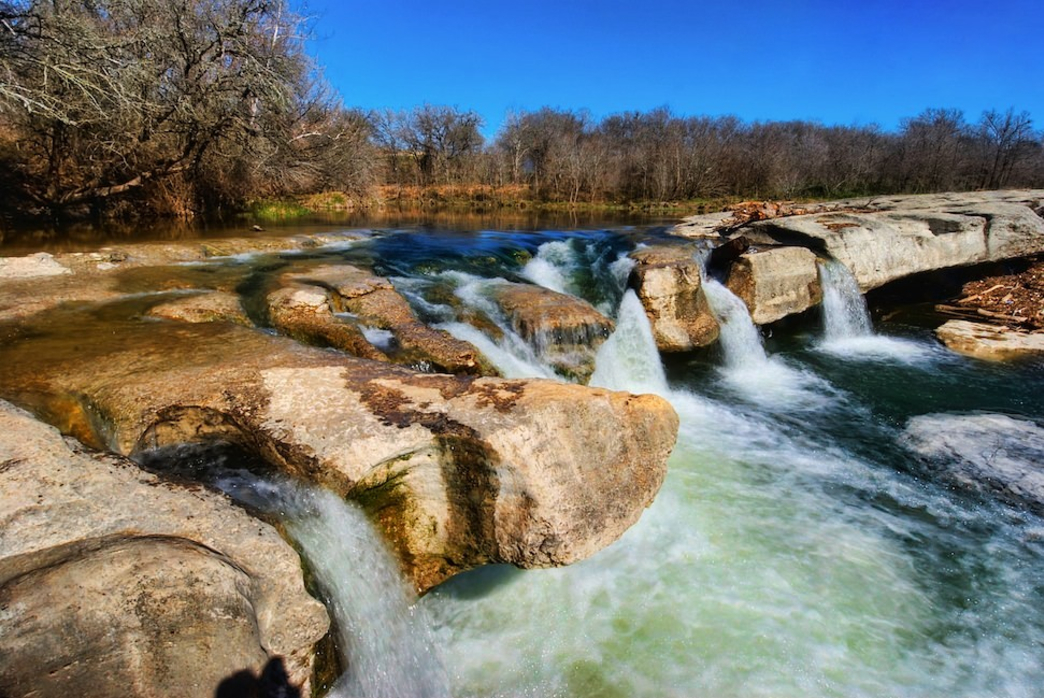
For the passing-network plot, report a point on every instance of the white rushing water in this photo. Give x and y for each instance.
(384, 635)
(795, 549)
(748, 369)
(848, 330)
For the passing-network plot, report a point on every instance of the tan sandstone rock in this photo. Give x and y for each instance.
(776, 282)
(990, 342)
(458, 471)
(667, 281)
(113, 582)
(564, 330)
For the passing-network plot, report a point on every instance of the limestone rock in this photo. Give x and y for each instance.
(304, 308)
(458, 471)
(214, 306)
(564, 330)
(910, 235)
(31, 266)
(776, 282)
(990, 342)
(113, 582)
(989, 453)
(667, 281)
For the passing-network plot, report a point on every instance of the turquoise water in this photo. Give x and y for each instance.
(799, 547)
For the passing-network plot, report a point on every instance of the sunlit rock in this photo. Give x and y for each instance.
(990, 453)
(458, 471)
(113, 582)
(990, 342)
(564, 330)
(335, 305)
(667, 280)
(213, 306)
(776, 282)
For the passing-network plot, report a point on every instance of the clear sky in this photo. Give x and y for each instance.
(833, 61)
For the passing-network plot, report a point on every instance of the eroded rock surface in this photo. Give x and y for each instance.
(776, 282)
(458, 471)
(333, 305)
(213, 306)
(990, 341)
(888, 238)
(667, 281)
(989, 453)
(564, 330)
(113, 582)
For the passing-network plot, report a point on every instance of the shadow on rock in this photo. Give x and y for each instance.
(272, 683)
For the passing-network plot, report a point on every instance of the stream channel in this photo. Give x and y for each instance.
(803, 543)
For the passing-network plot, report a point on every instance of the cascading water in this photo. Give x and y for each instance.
(748, 369)
(629, 359)
(847, 328)
(784, 556)
(383, 634)
(845, 315)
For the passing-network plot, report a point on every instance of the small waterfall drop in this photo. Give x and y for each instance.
(847, 328)
(845, 315)
(384, 635)
(551, 265)
(629, 359)
(739, 337)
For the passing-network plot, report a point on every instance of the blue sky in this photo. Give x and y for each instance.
(840, 62)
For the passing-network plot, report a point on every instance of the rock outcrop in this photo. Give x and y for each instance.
(565, 331)
(989, 453)
(114, 582)
(990, 342)
(334, 305)
(211, 306)
(776, 282)
(667, 281)
(882, 240)
(459, 471)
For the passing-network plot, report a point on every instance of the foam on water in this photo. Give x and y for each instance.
(749, 370)
(510, 355)
(629, 360)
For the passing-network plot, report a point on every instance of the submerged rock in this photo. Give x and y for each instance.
(990, 453)
(667, 281)
(114, 582)
(776, 282)
(213, 306)
(564, 330)
(989, 341)
(458, 471)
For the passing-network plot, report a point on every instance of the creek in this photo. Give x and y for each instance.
(799, 547)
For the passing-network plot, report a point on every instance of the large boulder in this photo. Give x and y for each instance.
(114, 582)
(458, 471)
(776, 282)
(668, 283)
(564, 330)
(910, 236)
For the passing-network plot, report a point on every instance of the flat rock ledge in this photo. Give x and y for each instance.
(989, 453)
(458, 471)
(990, 342)
(116, 583)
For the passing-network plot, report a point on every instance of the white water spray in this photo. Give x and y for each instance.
(629, 359)
(845, 315)
(384, 635)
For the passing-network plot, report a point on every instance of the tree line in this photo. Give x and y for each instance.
(185, 107)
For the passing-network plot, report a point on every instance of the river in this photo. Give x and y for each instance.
(802, 544)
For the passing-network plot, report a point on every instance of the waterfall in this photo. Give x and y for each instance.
(383, 635)
(847, 328)
(629, 359)
(845, 315)
(740, 338)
